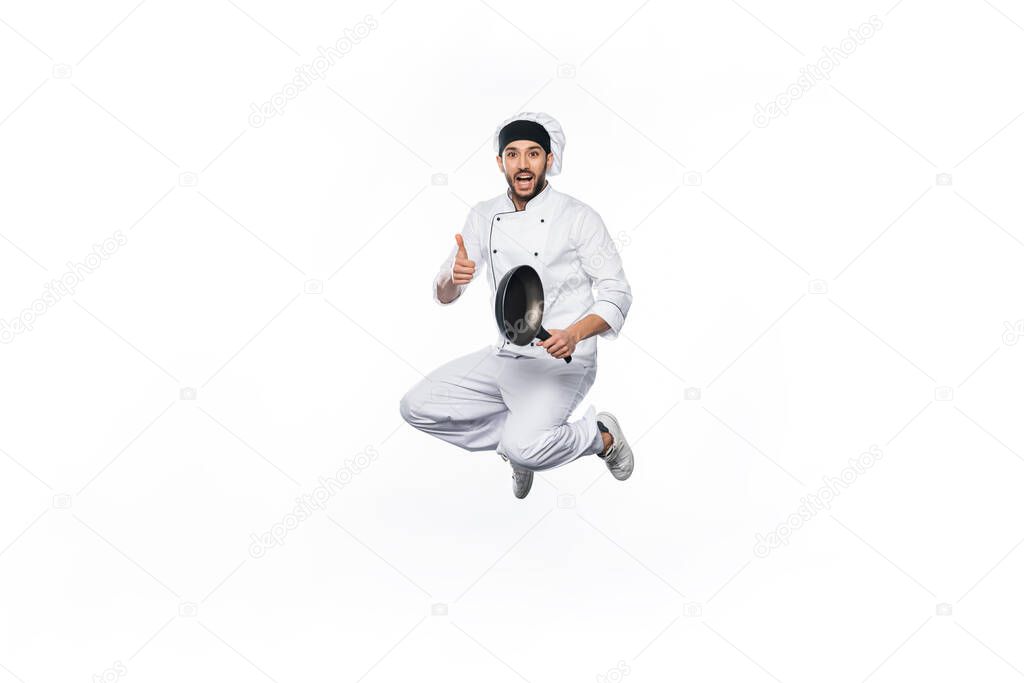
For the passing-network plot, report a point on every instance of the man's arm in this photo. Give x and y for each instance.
(587, 327)
(445, 288)
(602, 263)
(563, 343)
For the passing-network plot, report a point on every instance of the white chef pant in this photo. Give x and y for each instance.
(515, 405)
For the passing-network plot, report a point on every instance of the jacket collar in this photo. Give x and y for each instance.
(536, 202)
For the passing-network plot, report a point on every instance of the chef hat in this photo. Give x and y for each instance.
(550, 125)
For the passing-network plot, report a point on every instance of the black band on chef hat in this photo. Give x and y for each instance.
(524, 130)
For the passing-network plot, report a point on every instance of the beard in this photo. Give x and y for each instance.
(529, 192)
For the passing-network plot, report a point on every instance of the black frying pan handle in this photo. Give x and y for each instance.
(544, 335)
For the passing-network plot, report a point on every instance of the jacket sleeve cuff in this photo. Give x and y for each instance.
(611, 314)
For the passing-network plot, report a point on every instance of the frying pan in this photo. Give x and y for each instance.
(519, 306)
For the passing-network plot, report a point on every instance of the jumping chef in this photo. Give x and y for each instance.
(516, 399)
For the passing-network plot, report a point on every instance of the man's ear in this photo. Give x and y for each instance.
(501, 166)
(551, 160)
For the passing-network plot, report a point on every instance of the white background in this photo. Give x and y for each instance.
(812, 278)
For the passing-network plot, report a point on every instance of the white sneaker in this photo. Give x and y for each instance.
(522, 480)
(619, 456)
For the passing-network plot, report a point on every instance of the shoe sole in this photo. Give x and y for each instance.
(526, 492)
(609, 421)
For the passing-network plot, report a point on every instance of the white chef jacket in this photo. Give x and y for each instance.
(568, 245)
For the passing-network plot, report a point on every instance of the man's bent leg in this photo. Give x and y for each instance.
(460, 402)
(541, 394)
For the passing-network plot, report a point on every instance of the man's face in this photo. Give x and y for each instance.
(525, 164)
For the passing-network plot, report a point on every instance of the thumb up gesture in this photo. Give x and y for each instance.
(463, 268)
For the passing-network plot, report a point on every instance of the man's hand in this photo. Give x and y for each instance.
(463, 268)
(561, 343)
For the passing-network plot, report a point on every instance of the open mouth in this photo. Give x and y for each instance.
(523, 180)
